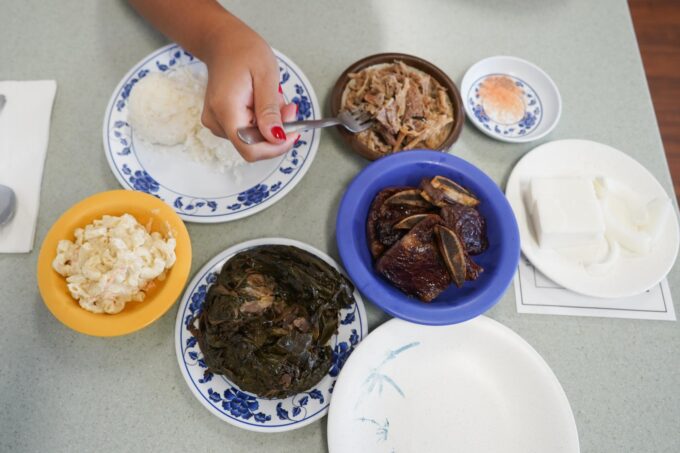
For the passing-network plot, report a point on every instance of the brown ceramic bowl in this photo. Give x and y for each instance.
(415, 62)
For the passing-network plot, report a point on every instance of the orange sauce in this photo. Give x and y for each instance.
(502, 99)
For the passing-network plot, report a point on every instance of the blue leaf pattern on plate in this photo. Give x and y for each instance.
(341, 353)
(376, 380)
(382, 430)
(207, 377)
(254, 195)
(317, 395)
(281, 412)
(349, 319)
(143, 182)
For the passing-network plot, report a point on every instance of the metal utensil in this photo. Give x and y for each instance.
(8, 199)
(355, 121)
(8, 203)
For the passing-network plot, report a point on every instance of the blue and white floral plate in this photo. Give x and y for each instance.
(476, 386)
(224, 399)
(197, 192)
(536, 100)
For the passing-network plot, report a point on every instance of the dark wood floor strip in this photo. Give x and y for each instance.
(657, 25)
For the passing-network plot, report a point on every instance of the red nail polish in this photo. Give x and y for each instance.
(298, 138)
(278, 133)
(280, 89)
(297, 109)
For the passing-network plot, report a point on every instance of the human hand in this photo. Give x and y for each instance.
(243, 90)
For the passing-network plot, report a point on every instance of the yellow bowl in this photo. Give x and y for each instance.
(136, 315)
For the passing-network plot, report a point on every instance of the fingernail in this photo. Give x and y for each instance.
(278, 133)
(298, 138)
(297, 108)
(280, 89)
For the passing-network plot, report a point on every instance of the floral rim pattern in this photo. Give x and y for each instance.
(533, 110)
(131, 174)
(243, 409)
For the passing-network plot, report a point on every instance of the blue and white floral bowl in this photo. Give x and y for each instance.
(193, 189)
(245, 410)
(537, 94)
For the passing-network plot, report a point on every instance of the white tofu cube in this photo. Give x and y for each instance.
(565, 212)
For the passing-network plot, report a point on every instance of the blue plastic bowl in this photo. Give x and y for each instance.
(455, 304)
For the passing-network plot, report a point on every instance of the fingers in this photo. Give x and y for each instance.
(259, 151)
(265, 150)
(267, 106)
(289, 112)
(225, 112)
(210, 121)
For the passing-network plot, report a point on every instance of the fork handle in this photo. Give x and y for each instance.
(251, 135)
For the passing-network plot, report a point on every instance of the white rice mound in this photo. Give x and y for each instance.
(165, 109)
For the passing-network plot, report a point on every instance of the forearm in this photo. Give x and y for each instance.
(243, 74)
(191, 23)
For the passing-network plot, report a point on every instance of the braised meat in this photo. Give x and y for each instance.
(469, 224)
(422, 238)
(383, 216)
(414, 264)
(472, 269)
(441, 191)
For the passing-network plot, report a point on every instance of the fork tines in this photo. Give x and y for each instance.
(360, 116)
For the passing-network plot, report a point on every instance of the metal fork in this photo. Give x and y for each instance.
(355, 121)
(8, 199)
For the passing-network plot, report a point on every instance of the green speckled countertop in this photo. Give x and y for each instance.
(61, 391)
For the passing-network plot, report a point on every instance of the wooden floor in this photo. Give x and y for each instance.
(657, 24)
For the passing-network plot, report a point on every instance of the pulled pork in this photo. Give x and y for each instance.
(410, 108)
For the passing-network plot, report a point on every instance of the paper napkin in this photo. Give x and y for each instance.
(535, 293)
(24, 134)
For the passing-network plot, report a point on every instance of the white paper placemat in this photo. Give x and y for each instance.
(537, 294)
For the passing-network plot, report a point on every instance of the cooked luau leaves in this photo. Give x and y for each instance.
(267, 320)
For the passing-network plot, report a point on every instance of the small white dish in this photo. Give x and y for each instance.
(475, 386)
(223, 398)
(536, 100)
(196, 191)
(629, 275)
